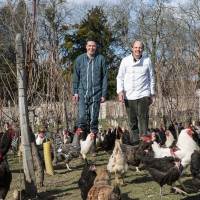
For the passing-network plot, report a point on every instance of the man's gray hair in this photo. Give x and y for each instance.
(136, 40)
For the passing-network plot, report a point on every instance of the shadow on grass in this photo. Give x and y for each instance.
(59, 166)
(191, 186)
(72, 188)
(101, 164)
(185, 175)
(101, 153)
(193, 197)
(126, 197)
(142, 179)
(52, 194)
(103, 160)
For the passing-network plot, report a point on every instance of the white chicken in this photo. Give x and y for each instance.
(169, 138)
(184, 148)
(40, 137)
(117, 163)
(86, 145)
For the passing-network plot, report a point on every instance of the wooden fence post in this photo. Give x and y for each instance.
(30, 186)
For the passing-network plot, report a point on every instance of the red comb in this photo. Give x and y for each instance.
(189, 131)
(147, 138)
(79, 131)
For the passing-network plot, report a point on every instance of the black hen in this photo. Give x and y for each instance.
(195, 167)
(135, 153)
(5, 174)
(5, 179)
(109, 140)
(165, 170)
(87, 179)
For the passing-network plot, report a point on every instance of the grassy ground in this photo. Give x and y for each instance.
(63, 185)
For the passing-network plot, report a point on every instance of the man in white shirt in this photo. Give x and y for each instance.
(136, 88)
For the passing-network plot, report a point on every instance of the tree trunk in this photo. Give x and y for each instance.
(66, 123)
(30, 186)
(39, 170)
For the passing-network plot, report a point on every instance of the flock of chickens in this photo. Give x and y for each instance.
(158, 152)
(166, 163)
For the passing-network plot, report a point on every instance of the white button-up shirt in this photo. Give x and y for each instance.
(136, 79)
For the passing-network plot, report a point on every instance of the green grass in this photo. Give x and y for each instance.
(63, 185)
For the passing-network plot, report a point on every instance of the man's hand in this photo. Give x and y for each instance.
(103, 99)
(121, 96)
(75, 98)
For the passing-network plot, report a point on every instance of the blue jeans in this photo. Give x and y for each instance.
(88, 114)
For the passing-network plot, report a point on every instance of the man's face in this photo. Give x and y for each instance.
(137, 49)
(91, 48)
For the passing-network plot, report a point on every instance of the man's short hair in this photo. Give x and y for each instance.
(91, 40)
(137, 40)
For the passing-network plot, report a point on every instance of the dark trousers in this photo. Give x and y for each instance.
(88, 114)
(138, 117)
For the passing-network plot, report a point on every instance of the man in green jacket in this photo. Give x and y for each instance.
(89, 86)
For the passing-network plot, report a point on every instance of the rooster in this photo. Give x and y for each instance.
(102, 189)
(186, 144)
(70, 151)
(134, 153)
(117, 163)
(86, 145)
(165, 170)
(86, 180)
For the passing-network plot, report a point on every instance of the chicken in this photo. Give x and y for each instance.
(159, 135)
(134, 153)
(86, 180)
(186, 144)
(98, 140)
(87, 144)
(124, 135)
(108, 141)
(130, 153)
(195, 168)
(40, 137)
(165, 170)
(102, 190)
(67, 136)
(5, 174)
(5, 179)
(169, 139)
(70, 151)
(173, 130)
(117, 163)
